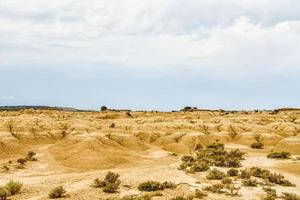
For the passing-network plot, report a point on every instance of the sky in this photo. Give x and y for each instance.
(150, 54)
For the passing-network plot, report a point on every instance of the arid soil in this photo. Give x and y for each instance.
(74, 148)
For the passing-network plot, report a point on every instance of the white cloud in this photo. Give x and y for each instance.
(8, 97)
(227, 37)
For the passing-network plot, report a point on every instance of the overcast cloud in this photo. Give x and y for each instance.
(218, 40)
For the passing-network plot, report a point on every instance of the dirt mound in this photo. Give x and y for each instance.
(290, 144)
(222, 137)
(91, 153)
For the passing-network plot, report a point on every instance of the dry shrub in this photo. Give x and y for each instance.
(248, 182)
(13, 187)
(215, 174)
(279, 155)
(215, 188)
(58, 192)
(110, 184)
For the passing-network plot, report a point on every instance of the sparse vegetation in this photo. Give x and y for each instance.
(258, 144)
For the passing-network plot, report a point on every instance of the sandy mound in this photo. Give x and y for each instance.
(268, 139)
(290, 144)
(212, 137)
(148, 137)
(91, 153)
(177, 148)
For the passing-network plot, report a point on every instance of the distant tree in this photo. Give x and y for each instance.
(103, 108)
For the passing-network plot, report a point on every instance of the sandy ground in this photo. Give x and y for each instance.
(138, 147)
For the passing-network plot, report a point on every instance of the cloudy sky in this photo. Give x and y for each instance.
(150, 54)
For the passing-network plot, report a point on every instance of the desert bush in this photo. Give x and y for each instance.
(215, 188)
(279, 155)
(110, 184)
(99, 183)
(248, 182)
(13, 187)
(289, 196)
(168, 185)
(226, 180)
(268, 176)
(111, 188)
(3, 193)
(215, 174)
(258, 144)
(136, 197)
(5, 168)
(112, 125)
(245, 173)
(279, 179)
(149, 186)
(30, 156)
(232, 132)
(232, 189)
(270, 194)
(199, 167)
(58, 192)
(179, 198)
(21, 161)
(232, 172)
(188, 159)
(12, 128)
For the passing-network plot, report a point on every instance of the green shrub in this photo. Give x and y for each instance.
(58, 192)
(248, 182)
(215, 174)
(3, 193)
(149, 186)
(215, 188)
(232, 172)
(289, 196)
(13, 187)
(279, 155)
